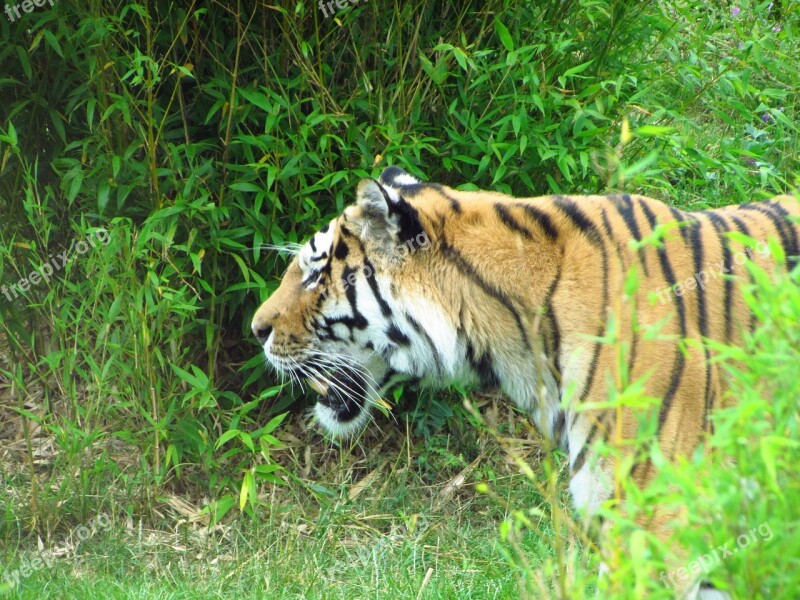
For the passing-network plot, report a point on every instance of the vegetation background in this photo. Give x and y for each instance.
(193, 133)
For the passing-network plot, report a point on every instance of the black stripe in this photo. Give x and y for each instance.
(552, 335)
(341, 250)
(609, 229)
(313, 245)
(624, 207)
(390, 174)
(674, 383)
(584, 452)
(509, 221)
(424, 335)
(681, 218)
(695, 232)
(740, 225)
(707, 390)
(469, 270)
(542, 219)
(666, 267)
(711, 401)
(680, 361)
(792, 249)
(345, 231)
(372, 280)
(789, 242)
(579, 219)
(413, 189)
(387, 377)
(407, 215)
(720, 226)
(358, 321)
(312, 276)
(482, 365)
(397, 336)
(454, 204)
(746, 230)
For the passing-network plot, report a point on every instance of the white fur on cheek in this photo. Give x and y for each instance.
(444, 337)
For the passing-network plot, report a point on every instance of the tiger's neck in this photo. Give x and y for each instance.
(499, 289)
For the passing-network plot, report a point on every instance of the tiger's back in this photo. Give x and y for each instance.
(553, 270)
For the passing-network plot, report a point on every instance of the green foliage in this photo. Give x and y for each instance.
(194, 135)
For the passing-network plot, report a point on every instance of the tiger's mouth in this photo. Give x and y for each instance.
(343, 391)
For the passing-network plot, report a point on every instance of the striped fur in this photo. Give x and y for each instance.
(421, 282)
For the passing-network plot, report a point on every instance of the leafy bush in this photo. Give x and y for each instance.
(194, 136)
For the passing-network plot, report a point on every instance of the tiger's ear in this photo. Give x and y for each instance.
(387, 220)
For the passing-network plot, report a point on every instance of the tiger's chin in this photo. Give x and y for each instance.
(332, 422)
(341, 408)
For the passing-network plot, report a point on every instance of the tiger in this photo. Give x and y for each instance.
(419, 282)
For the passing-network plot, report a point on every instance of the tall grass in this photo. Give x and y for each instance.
(194, 134)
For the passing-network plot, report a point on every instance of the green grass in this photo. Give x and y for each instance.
(342, 553)
(130, 384)
(363, 525)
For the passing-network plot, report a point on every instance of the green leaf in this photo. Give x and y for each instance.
(245, 186)
(266, 469)
(504, 35)
(274, 423)
(187, 377)
(652, 130)
(769, 447)
(75, 186)
(244, 493)
(256, 98)
(247, 440)
(25, 62)
(219, 508)
(640, 165)
(12, 134)
(226, 437)
(102, 197)
(579, 69)
(52, 41)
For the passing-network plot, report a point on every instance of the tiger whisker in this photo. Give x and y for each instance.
(339, 389)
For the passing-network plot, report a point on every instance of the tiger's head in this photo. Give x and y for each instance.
(359, 308)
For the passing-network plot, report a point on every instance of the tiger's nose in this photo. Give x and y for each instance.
(261, 331)
(264, 320)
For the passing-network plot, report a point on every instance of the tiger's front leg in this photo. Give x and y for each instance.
(682, 421)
